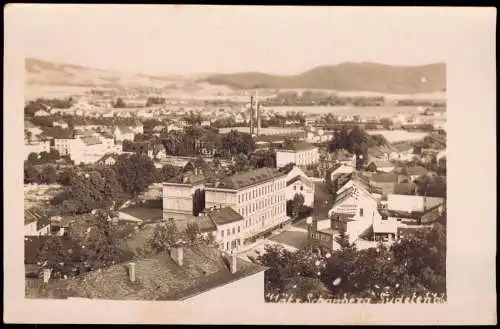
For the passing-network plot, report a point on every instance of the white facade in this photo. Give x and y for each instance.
(81, 152)
(299, 157)
(304, 186)
(406, 203)
(41, 113)
(30, 229)
(263, 206)
(43, 146)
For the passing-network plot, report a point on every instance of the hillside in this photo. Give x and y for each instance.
(50, 79)
(369, 77)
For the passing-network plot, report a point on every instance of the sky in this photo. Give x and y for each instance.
(179, 39)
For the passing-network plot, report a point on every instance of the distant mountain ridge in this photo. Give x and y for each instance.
(372, 77)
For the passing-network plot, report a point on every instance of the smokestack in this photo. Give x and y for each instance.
(177, 255)
(234, 267)
(251, 115)
(131, 271)
(258, 112)
(46, 274)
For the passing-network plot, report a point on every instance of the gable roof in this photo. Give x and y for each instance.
(108, 156)
(415, 170)
(340, 198)
(245, 179)
(381, 163)
(157, 278)
(125, 130)
(301, 178)
(381, 177)
(33, 215)
(222, 216)
(90, 140)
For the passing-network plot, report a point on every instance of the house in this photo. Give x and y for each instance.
(300, 153)
(380, 166)
(33, 130)
(228, 225)
(414, 172)
(297, 182)
(122, 133)
(407, 212)
(36, 147)
(341, 169)
(357, 210)
(259, 196)
(41, 113)
(109, 159)
(384, 183)
(192, 274)
(206, 123)
(343, 157)
(36, 223)
(441, 155)
(60, 123)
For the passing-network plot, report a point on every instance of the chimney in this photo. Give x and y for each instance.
(46, 274)
(131, 271)
(234, 264)
(177, 255)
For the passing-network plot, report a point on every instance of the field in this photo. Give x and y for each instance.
(366, 111)
(399, 135)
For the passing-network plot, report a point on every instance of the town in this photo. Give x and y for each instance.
(153, 198)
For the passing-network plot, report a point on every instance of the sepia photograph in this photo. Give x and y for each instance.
(192, 154)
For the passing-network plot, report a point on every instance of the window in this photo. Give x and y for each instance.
(228, 232)
(361, 212)
(294, 188)
(238, 229)
(302, 188)
(234, 230)
(222, 233)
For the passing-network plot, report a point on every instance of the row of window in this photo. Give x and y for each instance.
(262, 204)
(319, 236)
(262, 190)
(228, 231)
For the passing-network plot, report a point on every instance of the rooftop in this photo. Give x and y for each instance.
(300, 146)
(33, 215)
(222, 216)
(384, 178)
(91, 140)
(245, 179)
(157, 278)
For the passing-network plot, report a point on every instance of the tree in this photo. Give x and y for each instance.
(264, 158)
(135, 172)
(66, 176)
(55, 255)
(297, 203)
(193, 233)
(49, 175)
(119, 104)
(101, 246)
(31, 175)
(33, 158)
(241, 163)
(165, 237)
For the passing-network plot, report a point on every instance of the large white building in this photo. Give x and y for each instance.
(301, 154)
(37, 147)
(85, 149)
(257, 202)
